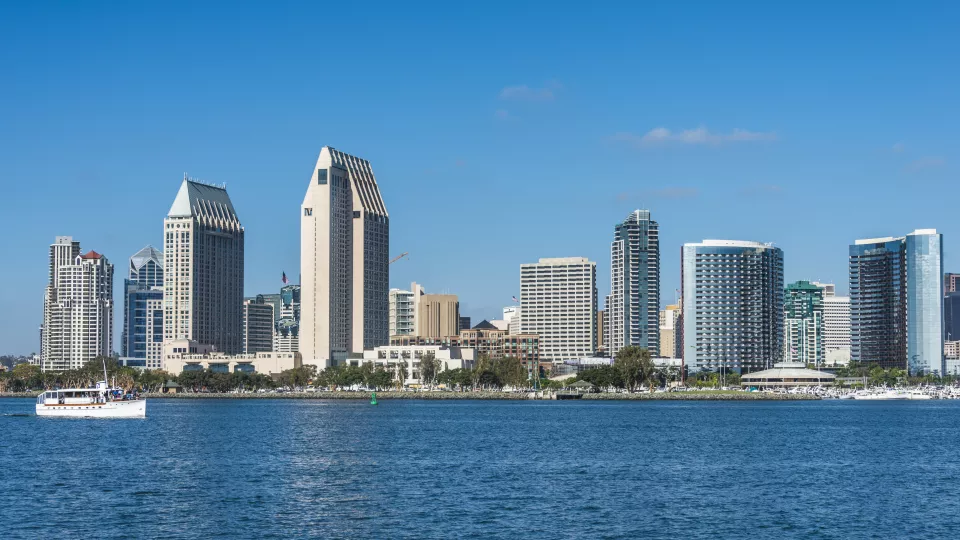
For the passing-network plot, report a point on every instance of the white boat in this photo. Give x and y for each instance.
(887, 395)
(89, 403)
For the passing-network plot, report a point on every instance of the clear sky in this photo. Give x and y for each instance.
(499, 133)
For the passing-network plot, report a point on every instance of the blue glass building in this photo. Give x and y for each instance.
(896, 302)
(142, 337)
(732, 306)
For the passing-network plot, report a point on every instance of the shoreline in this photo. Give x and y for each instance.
(706, 395)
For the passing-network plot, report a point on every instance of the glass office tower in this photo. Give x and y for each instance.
(924, 256)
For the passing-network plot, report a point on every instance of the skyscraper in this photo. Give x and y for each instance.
(142, 335)
(203, 269)
(287, 334)
(438, 315)
(803, 323)
(558, 302)
(78, 307)
(836, 328)
(634, 302)
(951, 282)
(344, 260)
(896, 301)
(258, 326)
(732, 305)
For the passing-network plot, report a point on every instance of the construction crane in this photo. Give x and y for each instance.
(398, 257)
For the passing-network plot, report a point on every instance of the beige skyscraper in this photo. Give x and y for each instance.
(77, 309)
(438, 315)
(668, 331)
(344, 261)
(558, 302)
(203, 269)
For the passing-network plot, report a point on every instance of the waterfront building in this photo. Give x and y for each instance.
(401, 312)
(184, 355)
(803, 323)
(287, 330)
(258, 327)
(485, 339)
(344, 260)
(896, 301)
(950, 282)
(836, 328)
(634, 301)
(77, 309)
(669, 318)
(142, 334)
(391, 356)
(787, 375)
(464, 323)
(558, 302)
(951, 316)
(732, 305)
(203, 268)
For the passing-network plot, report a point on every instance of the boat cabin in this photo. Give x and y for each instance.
(70, 396)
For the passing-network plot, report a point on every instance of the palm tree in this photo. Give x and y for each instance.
(401, 373)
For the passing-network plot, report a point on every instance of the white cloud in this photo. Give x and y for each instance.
(523, 92)
(700, 135)
(928, 162)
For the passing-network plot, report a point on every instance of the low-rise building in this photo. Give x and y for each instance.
(486, 339)
(184, 355)
(390, 357)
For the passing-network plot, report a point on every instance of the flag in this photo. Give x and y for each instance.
(515, 299)
(284, 279)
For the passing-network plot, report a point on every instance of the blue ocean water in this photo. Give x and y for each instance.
(484, 469)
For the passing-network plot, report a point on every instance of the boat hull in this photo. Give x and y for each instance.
(112, 409)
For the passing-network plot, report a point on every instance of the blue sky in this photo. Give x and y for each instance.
(499, 133)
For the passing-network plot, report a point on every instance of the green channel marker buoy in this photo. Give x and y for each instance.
(373, 398)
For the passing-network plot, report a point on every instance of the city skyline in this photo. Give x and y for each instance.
(719, 163)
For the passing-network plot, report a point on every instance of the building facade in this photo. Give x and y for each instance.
(896, 302)
(803, 323)
(464, 323)
(558, 302)
(634, 302)
(344, 260)
(183, 355)
(391, 356)
(669, 319)
(732, 305)
(258, 327)
(950, 282)
(142, 333)
(402, 314)
(487, 340)
(287, 330)
(438, 315)
(602, 330)
(836, 324)
(78, 307)
(203, 268)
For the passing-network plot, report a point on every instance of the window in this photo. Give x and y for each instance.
(308, 211)
(356, 214)
(321, 176)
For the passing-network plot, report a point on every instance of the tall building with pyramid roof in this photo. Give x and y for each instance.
(203, 268)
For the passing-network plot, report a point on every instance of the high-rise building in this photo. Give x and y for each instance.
(829, 289)
(732, 305)
(78, 307)
(836, 326)
(950, 282)
(203, 269)
(558, 302)
(634, 301)
(951, 316)
(258, 327)
(803, 323)
(896, 301)
(287, 331)
(438, 315)
(142, 334)
(464, 323)
(402, 313)
(344, 261)
(669, 317)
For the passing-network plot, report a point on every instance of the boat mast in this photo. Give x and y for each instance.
(106, 383)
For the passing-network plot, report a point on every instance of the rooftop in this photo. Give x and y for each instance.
(203, 200)
(91, 255)
(731, 243)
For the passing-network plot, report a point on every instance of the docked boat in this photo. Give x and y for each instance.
(99, 402)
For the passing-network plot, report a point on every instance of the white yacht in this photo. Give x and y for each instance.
(99, 402)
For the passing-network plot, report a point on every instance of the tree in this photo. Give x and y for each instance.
(635, 366)
(429, 366)
(510, 371)
(482, 365)
(401, 373)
